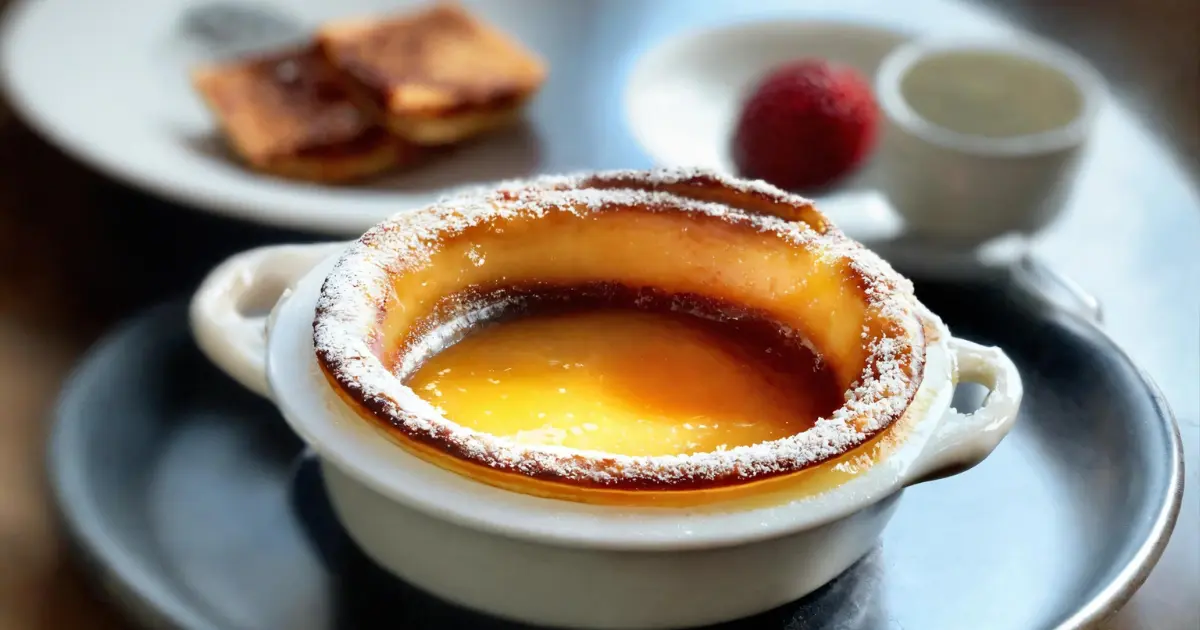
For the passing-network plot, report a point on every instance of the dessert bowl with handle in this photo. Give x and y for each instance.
(576, 564)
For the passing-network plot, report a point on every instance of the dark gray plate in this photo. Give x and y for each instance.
(197, 508)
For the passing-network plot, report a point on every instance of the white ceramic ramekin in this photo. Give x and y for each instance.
(570, 564)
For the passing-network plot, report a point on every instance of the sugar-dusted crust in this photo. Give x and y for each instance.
(347, 326)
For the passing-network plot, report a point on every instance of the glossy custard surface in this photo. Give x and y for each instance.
(630, 381)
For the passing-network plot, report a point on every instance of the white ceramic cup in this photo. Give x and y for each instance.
(982, 137)
(577, 565)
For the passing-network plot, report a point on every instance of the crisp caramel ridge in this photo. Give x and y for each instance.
(352, 301)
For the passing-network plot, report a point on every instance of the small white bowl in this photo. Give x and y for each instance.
(571, 564)
(964, 161)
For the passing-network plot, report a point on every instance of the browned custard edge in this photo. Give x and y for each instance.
(762, 490)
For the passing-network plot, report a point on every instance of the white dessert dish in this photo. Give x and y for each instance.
(579, 564)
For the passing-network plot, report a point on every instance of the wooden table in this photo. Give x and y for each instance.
(78, 253)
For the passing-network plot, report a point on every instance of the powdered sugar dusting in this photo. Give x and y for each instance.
(349, 305)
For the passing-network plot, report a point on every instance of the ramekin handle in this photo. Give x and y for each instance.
(964, 440)
(229, 311)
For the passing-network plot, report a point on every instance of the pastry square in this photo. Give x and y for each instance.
(437, 76)
(287, 114)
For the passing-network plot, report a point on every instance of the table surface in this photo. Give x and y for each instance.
(78, 253)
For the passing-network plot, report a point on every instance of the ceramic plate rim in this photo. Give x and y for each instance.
(11, 21)
(1133, 574)
(117, 569)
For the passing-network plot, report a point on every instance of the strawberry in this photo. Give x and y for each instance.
(806, 124)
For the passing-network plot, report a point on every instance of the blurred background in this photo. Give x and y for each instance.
(79, 253)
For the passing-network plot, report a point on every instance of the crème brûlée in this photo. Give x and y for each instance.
(605, 369)
(666, 337)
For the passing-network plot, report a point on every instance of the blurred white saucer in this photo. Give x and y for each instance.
(683, 96)
(107, 82)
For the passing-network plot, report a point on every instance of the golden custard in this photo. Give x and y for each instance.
(629, 381)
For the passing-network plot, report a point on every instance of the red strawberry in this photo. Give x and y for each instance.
(806, 124)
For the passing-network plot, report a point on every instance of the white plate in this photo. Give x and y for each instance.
(107, 81)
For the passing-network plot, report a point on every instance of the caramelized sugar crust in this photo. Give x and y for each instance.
(286, 113)
(390, 298)
(435, 76)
